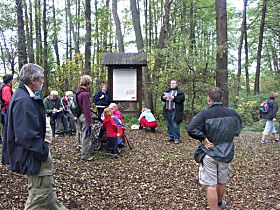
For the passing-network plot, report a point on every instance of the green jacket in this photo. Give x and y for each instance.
(50, 105)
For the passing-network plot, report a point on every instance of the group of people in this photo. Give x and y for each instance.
(27, 133)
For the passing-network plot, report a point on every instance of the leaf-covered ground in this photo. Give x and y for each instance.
(155, 175)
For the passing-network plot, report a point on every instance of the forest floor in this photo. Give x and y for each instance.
(155, 175)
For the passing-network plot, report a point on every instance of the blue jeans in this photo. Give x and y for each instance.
(60, 116)
(173, 128)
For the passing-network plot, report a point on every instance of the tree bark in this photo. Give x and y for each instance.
(192, 32)
(184, 18)
(31, 51)
(118, 25)
(78, 14)
(259, 52)
(246, 50)
(88, 37)
(55, 39)
(222, 49)
(148, 98)
(46, 69)
(71, 27)
(22, 55)
(3, 59)
(243, 27)
(66, 31)
(38, 32)
(28, 35)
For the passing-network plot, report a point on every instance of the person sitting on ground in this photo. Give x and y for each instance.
(111, 128)
(269, 118)
(147, 120)
(54, 110)
(67, 102)
(101, 100)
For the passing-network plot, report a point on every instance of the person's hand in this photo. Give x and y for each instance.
(207, 144)
(164, 97)
(54, 110)
(172, 98)
(102, 97)
(274, 119)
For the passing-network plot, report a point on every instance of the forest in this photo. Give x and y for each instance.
(233, 44)
(202, 43)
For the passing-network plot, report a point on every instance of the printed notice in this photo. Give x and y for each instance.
(124, 85)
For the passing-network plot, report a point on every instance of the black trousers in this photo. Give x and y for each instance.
(112, 146)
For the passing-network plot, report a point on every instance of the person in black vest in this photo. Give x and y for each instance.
(269, 118)
(173, 110)
(215, 127)
(101, 100)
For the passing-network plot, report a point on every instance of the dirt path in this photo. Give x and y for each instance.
(156, 175)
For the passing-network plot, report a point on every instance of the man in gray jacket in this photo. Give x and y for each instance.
(215, 127)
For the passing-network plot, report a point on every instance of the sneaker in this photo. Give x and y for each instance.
(176, 141)
(222, 205)
(153, 130)
(264, 141)
(115, 156)
(276, 140)
(90, 158)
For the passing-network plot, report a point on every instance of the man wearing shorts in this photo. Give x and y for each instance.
(215, 127)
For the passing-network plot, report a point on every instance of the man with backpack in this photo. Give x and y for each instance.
(215, 127)
(84, 117)
(269, 115)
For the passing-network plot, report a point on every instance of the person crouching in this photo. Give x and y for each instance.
(111, 132)
(147, 120)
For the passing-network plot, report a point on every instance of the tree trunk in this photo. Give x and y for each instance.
(46, 69)
(192, 31)
(148, 98)
(259, 52)
(3, 58)
(31, 51)
(66, 31)
(71, 27)
(222, 49)
(28, 35)
(22, 55)
(184, 18)
(243, 27)
(38, 32)
(118, 25)
(55, 39)
(246, 50)
(88, 37)
(78, 14)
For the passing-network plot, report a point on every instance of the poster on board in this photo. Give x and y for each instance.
(124, 85)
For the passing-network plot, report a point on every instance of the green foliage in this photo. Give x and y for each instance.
(248, 109)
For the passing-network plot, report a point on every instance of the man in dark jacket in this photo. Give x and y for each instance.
(269, 118)
(173, 110)
(215, 127)
(25, 147)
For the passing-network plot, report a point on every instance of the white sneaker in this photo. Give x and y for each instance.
(264, 141)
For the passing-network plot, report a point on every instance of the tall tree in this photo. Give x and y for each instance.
(39, 46)
(46, 69)
(148, 98)
(222, 49)
(246, 49)
(31, 50)
(118, 25)
(88, 37)
(259, 52)
(22, 55)
(28, 35)
(77, 25)
(55, 39)
(243, 27)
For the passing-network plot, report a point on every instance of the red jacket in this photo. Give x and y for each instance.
(111, 127)
(7, 93)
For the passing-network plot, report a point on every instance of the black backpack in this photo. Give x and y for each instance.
(2, 102)
(75, 107)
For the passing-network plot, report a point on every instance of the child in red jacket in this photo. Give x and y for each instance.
(111, 132)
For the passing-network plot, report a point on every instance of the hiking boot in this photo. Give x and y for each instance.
(263, 141)
(222, 205)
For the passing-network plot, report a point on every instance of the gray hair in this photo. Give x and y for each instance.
(30, 71)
